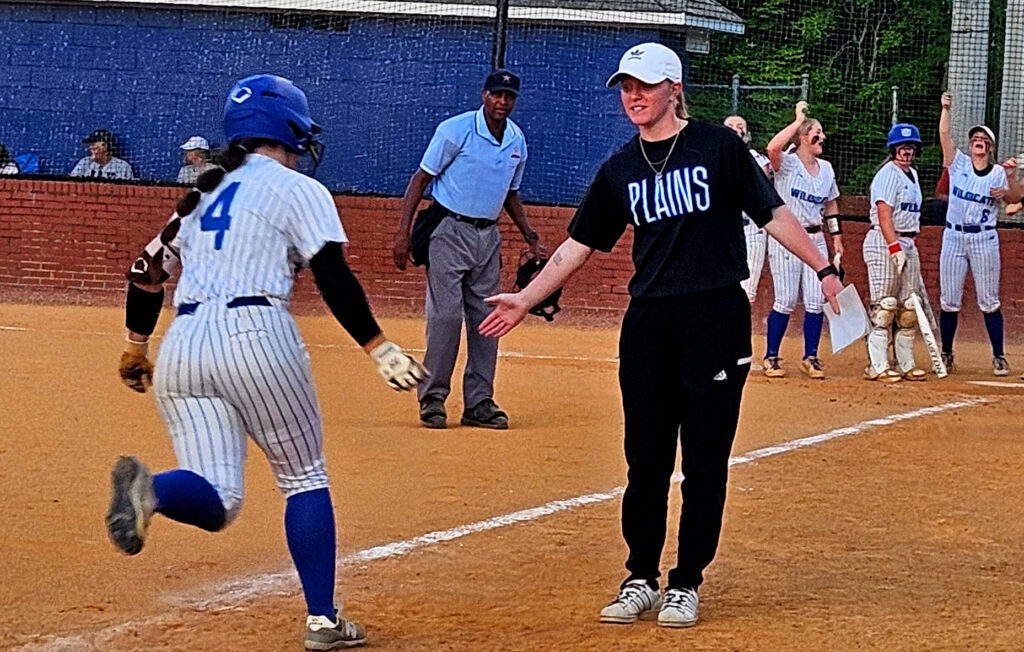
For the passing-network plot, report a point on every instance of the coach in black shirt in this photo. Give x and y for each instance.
(685, 347)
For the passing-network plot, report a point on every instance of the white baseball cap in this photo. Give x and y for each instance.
(651, 63)
(982, 128)
(195, 142)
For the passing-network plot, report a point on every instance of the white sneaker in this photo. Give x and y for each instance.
(679, 609)
(636, 601)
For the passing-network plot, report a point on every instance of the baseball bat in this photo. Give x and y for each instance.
(929, 337)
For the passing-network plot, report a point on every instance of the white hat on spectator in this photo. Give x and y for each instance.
(195, 142)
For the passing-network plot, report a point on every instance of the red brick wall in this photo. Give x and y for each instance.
(67, 242)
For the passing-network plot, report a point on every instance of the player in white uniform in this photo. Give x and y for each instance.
(757, 239)
(970, 240)
(233, 362)
(892, 259)
(808, 186)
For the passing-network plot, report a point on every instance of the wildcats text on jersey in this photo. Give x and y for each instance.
(676, 193)
(806, 196)
(973, 196)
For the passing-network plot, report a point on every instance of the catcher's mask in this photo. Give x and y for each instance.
(529, 267)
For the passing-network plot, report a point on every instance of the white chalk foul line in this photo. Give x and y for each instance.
(238, 592)
(996, 383)
(314, 345)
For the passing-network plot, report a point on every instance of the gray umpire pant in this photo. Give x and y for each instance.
(464, 269)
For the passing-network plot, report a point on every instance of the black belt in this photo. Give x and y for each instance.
(813, 229)
(901, 234)
(478, 222)
(238, 302)
(970, 228)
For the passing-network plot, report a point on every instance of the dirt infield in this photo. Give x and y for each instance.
(902, 534)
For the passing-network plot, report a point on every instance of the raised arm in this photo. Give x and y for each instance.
(946, 130)
(1013, 194)
(778, 144)
(510, 309)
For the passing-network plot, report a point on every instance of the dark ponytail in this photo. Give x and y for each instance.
(225, 161)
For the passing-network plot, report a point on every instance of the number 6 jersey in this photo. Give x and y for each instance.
(970, 203)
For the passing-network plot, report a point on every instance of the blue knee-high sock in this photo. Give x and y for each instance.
(994, 326)
(309, 526)
(188, 497)
(947, 329)
(812, 332)
(777, 323)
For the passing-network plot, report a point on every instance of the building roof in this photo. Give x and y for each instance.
(658, 14)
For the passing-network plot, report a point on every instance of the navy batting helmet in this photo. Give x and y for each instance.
(272, 107)
(903, 133)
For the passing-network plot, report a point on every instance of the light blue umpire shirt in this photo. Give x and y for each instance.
(473, 172)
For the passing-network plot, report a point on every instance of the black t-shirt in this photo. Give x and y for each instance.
(688, 228)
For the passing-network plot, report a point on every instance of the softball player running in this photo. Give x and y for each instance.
(970, 240)
(757, 240)
(892, 259)
(233, 362)
(681, 184)
(808, 186)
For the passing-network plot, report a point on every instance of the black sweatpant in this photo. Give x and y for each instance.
(683, 364)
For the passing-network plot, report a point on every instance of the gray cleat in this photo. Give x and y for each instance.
(131, 504)
(322, 633)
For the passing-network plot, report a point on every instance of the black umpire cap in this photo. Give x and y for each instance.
(99, 136)
(502, 80)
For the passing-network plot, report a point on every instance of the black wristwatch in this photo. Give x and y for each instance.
(828, 270)
(531, 236)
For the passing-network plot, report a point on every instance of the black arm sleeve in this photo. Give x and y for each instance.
(343, 294)
(142, 309)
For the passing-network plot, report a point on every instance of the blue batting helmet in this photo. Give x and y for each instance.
(271, 107)
(903, 133)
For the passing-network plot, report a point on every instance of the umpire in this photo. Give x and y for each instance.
(474, 166)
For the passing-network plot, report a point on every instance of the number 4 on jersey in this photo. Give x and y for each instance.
(218, 216)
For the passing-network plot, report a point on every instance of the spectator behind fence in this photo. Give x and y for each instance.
(7, 164)
(197, 159)
(102, 161)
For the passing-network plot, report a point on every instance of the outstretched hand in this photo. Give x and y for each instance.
(509, 310)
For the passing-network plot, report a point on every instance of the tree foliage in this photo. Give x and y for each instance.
(854, 52)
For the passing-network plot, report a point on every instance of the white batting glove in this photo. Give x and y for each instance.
(397, 367)
(898, 257)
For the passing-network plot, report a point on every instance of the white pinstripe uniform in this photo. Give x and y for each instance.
(902, 192)
(975, 246)
(806, 196)
(223, 372)
(757, 241)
